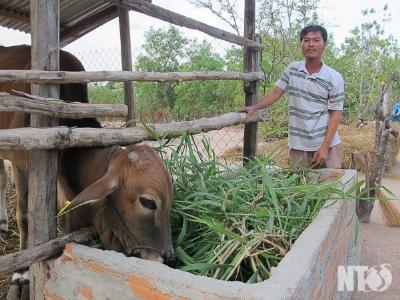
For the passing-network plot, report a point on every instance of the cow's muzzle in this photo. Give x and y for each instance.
(145, 252)
(169, 258)
(150, 253)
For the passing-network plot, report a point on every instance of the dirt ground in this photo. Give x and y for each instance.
(380, 244)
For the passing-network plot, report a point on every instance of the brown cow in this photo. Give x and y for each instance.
(125, 193)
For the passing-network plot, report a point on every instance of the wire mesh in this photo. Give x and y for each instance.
(226, 142)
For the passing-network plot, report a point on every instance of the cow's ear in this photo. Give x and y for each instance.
(93, 193)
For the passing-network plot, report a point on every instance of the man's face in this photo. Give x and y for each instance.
(312, 45)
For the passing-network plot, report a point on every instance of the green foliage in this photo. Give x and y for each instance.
(164, 51)
(111, 93)
(366, 60)
(202, 98)
(187, 99)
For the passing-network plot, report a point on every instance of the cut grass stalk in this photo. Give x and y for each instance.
(237, 227)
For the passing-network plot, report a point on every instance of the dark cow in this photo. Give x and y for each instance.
(125, 193)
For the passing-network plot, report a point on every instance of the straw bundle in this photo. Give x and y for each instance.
(390, 211)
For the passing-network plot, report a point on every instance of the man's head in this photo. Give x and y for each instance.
(313, 40)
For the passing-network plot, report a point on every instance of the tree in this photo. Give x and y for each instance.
(202, 98)
(367, 59)
(164, 51)
(167, 51)
(225, 10)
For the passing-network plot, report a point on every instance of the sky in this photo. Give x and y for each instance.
(339, 17)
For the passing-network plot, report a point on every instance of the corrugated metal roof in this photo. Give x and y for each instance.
(14, 14)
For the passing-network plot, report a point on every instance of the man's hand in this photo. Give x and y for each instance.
(266, 101)
(320, 156)
(247, 109)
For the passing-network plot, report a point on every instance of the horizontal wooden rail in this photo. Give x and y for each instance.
(64, 137)
(21, 102)
(22, 259)
(180, 20)
(41, 77)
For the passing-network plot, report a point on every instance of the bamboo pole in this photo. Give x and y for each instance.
(22, 102)
(22, 259)
(64, 137)
(180, 20)
(62, 77)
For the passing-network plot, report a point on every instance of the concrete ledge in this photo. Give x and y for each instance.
(308, 271)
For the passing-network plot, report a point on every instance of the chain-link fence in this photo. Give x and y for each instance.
(227, 142)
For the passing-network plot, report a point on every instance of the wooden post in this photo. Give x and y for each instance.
(126, 60)
(373, 177)
(251, 62)
(43, 164)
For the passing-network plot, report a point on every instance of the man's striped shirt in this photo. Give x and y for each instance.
(310, 97)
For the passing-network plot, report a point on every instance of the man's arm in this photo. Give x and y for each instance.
(321, 154)
(265, 101)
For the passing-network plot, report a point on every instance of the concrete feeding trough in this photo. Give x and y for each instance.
(308, 271)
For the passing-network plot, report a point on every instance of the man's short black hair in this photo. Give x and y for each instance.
(314, 28)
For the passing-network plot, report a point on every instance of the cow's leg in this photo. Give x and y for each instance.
(3, 210)
(14, 292)
(19, 288)
(21, 186)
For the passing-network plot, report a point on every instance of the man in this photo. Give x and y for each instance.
(315, 96)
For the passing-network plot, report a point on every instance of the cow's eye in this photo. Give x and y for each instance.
(148, 203)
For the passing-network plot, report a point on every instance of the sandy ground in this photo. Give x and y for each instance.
(380, 244)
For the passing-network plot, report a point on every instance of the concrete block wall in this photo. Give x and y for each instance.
(308, 271)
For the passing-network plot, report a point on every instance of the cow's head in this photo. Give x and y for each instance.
(132, 204)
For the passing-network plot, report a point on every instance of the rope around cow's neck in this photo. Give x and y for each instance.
(126, 231)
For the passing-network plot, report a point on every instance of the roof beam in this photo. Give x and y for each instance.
(180, 20)
(70, 34)
(15, 17)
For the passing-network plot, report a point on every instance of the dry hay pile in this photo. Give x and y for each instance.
(354, 140)
(360, 141)
(12, 243)
(278, 149)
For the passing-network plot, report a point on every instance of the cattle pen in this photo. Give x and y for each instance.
(42, 18)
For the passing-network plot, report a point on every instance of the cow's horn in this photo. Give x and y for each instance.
(133, 157)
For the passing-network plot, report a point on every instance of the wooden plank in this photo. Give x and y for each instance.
(250, 64)
(22, 259)
(180, 20)
(64, 137)
(72, 33)
(126, 59)
(57, 108)
(62, 77)
(42, 198)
